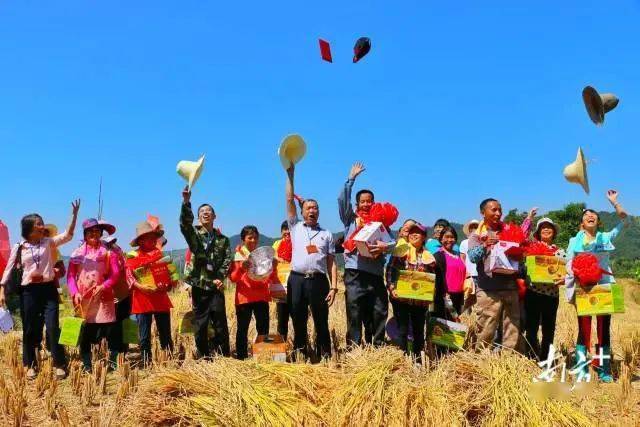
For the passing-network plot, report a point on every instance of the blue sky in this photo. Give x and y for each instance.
(453, 104)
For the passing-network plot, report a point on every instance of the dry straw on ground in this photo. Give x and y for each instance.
(361, 387)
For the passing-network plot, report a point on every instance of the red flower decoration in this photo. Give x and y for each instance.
(512, 233)
(586, 268)
(538, 248)
(385, 213)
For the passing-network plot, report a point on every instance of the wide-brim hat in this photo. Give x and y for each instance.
(145, 228)
(190, 171)
(467, 226)
(576, 171)
(545, 220)
(292, 149)
(102, 225)
(598, 105)
(52, 229)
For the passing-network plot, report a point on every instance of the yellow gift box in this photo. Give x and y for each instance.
(416, 285)
(599, 299)
(546, 268)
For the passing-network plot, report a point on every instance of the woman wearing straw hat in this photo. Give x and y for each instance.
(541, 300)
(93, 271)
(599, 243)
(149, 302)
(252, 296)
(38, 294)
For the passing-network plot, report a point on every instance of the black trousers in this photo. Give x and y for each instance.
(540, 311)
(123, 311)
(259, 310)
(92, 333)
(283, 319)
(163, 324)
(209, 306)
(304, 293)
(39, 307)
(415, 315)
(457, 299)
(367, 304)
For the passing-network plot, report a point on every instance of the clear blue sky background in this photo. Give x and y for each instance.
(453, 104)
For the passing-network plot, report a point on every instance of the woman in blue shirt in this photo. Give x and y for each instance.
(589, 239)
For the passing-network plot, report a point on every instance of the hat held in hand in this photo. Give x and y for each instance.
(190, 171)
(292, 150)
(598, 105)
(576, 171)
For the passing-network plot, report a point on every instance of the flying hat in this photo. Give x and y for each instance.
(145, 228)
(361, 48)
(261, 263)
(598, 105)
(545, 220)
(325, 50)
(576, 171)
(467, 226)
(292, 150)
(190, 171)
(102, 225)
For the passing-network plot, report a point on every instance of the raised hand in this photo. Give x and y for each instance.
(75, 207)
(533, 212)
(186, 195)
(612, 195)
(356, 169)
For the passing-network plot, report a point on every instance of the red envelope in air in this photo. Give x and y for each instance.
(325, 50)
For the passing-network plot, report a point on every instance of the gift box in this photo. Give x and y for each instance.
(446, 333)
(186, 325)
(6, 321)
(161, 271)
(370, 234)
(269, 347)
(130, 331)
(70, 331)
(499, 262)
(416, 285)
(599, 299)
(546, 269)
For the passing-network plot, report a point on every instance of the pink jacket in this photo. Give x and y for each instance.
(88, 268)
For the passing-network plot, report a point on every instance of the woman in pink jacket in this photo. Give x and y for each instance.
(93, 270)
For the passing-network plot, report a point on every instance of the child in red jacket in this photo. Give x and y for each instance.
(252, 296)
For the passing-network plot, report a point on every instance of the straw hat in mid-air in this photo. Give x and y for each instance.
(190, 171)
(576, 171)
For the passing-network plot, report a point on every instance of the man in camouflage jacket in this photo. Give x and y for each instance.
(205, 273)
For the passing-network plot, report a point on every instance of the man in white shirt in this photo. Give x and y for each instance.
(312, 261)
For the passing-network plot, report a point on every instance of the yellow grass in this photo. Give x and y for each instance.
(362, 387)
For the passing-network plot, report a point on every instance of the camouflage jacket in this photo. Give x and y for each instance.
(210, 255)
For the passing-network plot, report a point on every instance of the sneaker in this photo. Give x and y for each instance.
(31, 374)
(60, 373)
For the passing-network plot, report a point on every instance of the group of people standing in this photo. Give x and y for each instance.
(105, 289)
